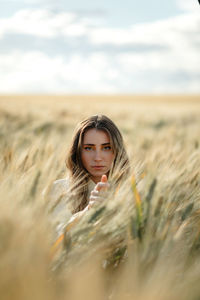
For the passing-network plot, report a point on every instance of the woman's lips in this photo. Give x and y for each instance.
(98, 167)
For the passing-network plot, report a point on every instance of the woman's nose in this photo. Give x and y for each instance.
(97, 156)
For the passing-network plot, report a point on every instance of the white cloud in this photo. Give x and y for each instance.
(34, 71)
(161, 56)
(43, 23)
(160, 33)
(188, 5)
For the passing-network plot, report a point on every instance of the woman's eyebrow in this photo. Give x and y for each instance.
(94, 144)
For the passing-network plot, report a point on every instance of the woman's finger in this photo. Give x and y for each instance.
(102, 185)
(94, 193)
(104, 178)
(91, 203)
(96, 199)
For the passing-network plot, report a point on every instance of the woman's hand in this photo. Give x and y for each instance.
(98, 193)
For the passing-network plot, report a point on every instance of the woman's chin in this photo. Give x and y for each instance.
(96, 177)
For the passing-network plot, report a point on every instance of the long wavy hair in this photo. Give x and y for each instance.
(79, 175)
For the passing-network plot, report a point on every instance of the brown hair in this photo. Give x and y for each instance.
(79, 174)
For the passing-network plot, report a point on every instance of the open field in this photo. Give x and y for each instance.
(150, 250)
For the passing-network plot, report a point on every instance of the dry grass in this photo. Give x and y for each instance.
(149, 250)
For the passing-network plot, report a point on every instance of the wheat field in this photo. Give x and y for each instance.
(143, 243)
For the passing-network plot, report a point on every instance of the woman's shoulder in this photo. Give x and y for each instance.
(61, 184)
(57, 188)
(58, 197)
(60, 187)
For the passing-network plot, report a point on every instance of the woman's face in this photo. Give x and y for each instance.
(97, 154)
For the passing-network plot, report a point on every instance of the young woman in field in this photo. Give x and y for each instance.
(97, 162)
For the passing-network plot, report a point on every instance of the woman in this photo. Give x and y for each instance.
(97, 161)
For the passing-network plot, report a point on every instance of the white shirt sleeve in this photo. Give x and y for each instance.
(58, 208)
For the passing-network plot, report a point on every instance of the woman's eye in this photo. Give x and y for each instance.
(87, 148)
(107, 148)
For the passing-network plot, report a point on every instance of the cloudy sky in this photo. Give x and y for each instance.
(107, 46)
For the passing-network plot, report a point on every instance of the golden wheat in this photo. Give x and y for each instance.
(140, 244)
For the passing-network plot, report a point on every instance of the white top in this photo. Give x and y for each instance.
(58, 199)
(58, 207)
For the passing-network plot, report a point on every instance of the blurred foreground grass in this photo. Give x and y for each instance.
(147, 251)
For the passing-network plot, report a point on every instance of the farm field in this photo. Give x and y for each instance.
(144, 245)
